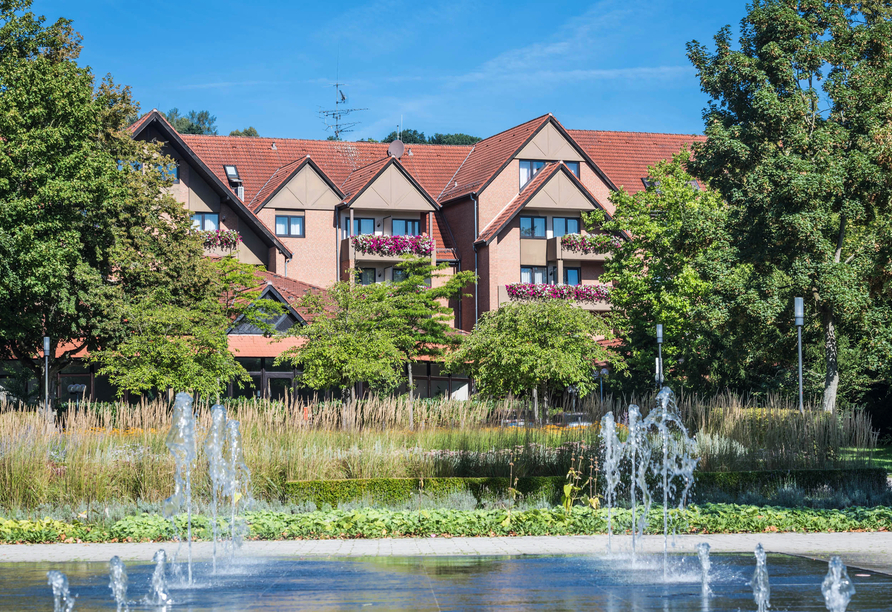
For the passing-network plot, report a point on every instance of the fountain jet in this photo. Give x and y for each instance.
(837, 587)
(62, 599)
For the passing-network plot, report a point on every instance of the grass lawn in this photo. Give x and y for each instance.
(880, 457)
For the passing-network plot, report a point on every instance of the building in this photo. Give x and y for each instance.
(302, 208)
(499, 208)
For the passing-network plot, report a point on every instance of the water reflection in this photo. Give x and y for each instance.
(615, 584)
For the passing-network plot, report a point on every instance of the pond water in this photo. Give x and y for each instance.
(454, 583)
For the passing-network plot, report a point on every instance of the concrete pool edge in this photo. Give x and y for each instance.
(867, 550)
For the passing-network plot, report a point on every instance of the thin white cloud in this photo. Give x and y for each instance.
(228, 84)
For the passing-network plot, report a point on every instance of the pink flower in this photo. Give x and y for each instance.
(393, 245)
(578, 293)
(588, 243)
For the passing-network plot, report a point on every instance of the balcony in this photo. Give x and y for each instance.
(587, 297)
(579, 247)
(387, 250)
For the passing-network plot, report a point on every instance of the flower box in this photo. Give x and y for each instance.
(220, 239)
(588, 244)
(371, 244)
(541, 291)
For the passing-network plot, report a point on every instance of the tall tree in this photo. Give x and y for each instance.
(799, 128)
(666, 272)
(534, 345)
(196, 122)
(85, 222)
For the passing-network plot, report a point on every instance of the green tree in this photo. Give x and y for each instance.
(185, 348)
(534, 345)
(248, 132)
(664, 272)
(345, 343)
(196, 122)
(417, 312)
(453, 139)
(407, 136)
(85, 223)
(799, 129)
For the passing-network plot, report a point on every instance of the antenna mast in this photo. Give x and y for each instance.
(334, 119)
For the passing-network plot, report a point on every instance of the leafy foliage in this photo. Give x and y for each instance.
(533, 345)
(368, 333)
(416, 137)
(345, 344)
(373, 523)
(197, 122)
(799, 127)
(185, 348)
(248, 132)
(666, 272)
(85, 223)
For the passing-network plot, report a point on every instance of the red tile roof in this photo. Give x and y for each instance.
(625, 156)
(252, 345)
(292, 290)
(488, 157)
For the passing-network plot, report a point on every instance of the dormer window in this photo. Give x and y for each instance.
(528, 169)
(232, 174)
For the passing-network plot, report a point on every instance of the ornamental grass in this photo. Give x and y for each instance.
(100, 454)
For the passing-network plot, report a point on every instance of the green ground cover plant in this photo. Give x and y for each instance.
(375, 523)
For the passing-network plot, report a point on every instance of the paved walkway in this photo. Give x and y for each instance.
(871, 551)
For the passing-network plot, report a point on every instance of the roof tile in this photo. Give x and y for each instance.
(625, 156)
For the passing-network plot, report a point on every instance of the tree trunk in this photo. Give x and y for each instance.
(411, 397)
(831, 354)
(831, 345)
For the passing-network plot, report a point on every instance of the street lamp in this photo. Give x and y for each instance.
(799, 318)
(46, 376)
(601, 376)
(659, 355)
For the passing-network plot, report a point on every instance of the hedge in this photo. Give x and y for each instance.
(390, 491)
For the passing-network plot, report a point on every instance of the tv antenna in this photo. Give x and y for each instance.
(335, 119)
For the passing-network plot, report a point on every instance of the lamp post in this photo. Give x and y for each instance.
(46, 376)
(659, 355)
(799, 318)
(601, 376)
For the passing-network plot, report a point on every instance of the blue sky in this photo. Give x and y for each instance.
(443, 66)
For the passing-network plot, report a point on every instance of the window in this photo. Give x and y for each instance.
(528, 169)
(366, 276)
(405, 227)
(290, 226)
(399, 275)
(534, 274)
(204, 222)
(573, 167)
(532, 227)
(363, 226)
(572, 276)
(232, 174)
(565, 225)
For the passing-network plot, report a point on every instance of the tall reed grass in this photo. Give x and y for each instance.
(115, 453)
